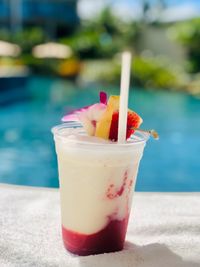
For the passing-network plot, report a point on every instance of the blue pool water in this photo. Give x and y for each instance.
(27, 155)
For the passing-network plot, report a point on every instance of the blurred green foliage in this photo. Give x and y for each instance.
(103, 36)
(29, 38)
(188, 34)
(153, 73)
(26, 38)
(146, 72)
(96, 44)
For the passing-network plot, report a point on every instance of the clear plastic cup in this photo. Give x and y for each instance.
(97, 181)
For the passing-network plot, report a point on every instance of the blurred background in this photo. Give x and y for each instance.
(56, 55)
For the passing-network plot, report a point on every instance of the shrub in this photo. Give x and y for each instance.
(151, 72)
(188, 34)
(146, 72)
(102, 37)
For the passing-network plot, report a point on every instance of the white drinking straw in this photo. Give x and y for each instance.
(124, 90)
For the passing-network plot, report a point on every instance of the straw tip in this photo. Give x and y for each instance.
(126, 53)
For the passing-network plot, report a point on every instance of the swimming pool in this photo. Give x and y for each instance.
(27, 155)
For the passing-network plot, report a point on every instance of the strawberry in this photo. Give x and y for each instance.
(133, 120)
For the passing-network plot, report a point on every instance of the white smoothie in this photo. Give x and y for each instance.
(97, 178)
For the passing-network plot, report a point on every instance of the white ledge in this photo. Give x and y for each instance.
(163, 231)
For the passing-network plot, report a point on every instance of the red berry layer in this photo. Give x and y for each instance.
(109, 239)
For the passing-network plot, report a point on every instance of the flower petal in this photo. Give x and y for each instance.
(103, 97)
(70, 117)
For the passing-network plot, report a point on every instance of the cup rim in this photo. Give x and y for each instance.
(136, 139)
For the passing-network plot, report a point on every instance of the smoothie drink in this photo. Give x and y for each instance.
(97, 179)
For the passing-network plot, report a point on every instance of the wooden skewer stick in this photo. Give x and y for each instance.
(152, 132)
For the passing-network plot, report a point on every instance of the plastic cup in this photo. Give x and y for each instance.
(97, 181)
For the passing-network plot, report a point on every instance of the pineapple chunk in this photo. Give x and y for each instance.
(103, 125)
